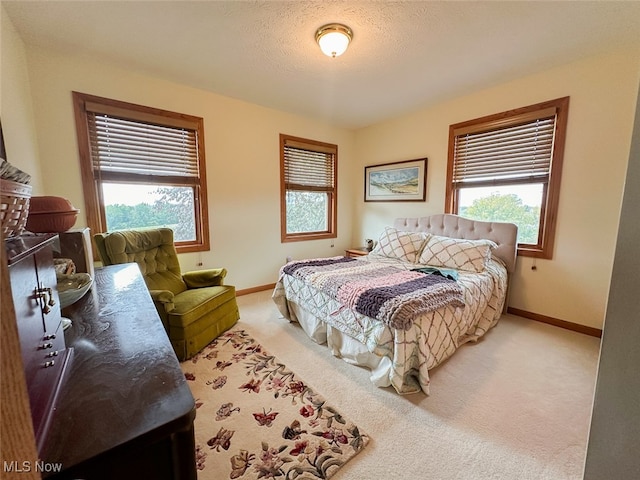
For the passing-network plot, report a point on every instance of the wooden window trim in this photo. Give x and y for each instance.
(551, 194)
(94, 203)
(297, 142)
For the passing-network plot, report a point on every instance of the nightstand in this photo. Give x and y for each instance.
(356, 252)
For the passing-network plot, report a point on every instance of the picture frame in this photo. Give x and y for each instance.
(404, 181)
(3, 152)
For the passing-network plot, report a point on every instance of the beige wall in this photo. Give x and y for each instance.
(573, 286)
(16, 109)
(242, 148)
(243, 171)
(615, 422)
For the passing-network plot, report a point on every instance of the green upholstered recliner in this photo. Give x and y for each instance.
(195, 307)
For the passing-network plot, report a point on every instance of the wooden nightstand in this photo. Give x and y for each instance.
(356, 252)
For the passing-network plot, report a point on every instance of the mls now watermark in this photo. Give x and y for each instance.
(27, 466)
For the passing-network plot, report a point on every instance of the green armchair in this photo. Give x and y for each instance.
(195, 307)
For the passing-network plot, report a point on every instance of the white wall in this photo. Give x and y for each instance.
(242, 151)
(573, 285)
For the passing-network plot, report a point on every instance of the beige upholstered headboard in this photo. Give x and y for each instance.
(447, 225)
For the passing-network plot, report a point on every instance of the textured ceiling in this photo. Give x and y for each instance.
(404, 55)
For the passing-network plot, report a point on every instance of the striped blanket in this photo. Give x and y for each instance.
(390, 294)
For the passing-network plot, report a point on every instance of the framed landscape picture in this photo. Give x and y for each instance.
(396, 182)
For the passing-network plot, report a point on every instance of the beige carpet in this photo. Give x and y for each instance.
(514, 406)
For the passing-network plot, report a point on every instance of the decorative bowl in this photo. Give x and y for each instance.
(72, 288)
(50, 214)
(50, 204)
(41, 222)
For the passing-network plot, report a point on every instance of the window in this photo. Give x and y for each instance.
(308, 183)
(142, 168)
(507, 167)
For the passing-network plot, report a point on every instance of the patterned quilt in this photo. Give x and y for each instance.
(391, 294)
(432, 337)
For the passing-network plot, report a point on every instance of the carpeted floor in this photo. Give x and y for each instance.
(516, 405)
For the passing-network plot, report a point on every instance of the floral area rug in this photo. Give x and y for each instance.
(255, 418)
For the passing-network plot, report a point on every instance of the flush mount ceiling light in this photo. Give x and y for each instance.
(334, 39)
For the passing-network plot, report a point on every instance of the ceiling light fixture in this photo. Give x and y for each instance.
(334, 39)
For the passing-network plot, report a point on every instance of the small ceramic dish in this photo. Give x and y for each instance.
(72, 288)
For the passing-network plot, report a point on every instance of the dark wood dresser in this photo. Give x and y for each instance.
(45, 356)
(123, 409)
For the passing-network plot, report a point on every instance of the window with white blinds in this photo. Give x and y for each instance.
(142, 167)
(516, 153)
(308, 188)
(124, 146)
(507, 167)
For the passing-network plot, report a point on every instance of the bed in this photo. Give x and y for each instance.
(430, 285)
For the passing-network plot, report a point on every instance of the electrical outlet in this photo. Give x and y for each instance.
(288, 259)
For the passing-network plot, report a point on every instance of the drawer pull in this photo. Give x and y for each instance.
(50, 337)
(50, 363)
(46, 295)
(46, 309)
(52, 354)
(51, 301)
(44, 346)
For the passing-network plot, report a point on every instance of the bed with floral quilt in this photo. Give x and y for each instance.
(430, 285)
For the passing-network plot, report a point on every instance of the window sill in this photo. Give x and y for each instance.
(534, 252)
(187, 248)
(307, 236)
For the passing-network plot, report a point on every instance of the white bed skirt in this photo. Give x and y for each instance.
(342, 345)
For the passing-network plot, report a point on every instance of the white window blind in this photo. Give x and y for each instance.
(513, 153)
(309, 170)
(125, 146)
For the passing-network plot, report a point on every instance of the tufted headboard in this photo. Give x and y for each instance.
(447, 225)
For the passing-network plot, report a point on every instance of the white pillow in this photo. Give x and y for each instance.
(398, 244)
(466, 255)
